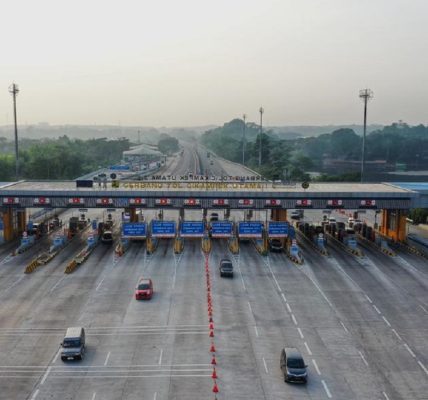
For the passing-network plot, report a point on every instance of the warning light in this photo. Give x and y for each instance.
(368, 204)
(335, 203)
(220, 202)
(10, 200)
(273, 203)
(192, 202)
(76, 201)
(163, 202)
(304, 203)
(137, 201)
(104, 202)
(245, 202)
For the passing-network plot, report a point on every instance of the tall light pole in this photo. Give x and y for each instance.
(261, 110)
(366, 95)
(244, 117)
(14, 90)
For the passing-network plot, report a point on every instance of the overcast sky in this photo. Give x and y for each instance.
(197, 62)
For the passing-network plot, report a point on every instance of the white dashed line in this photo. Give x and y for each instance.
(35, 394)
(160, 357)
(385, 395)
(106, 360)
(283, 297)
(266, 368)
(396, 334)
(369, 299)
(274, 278)
(14, 284)
(257, 332)
(423, 367)
(327, 391)
(308, 349)
(316, 367)
(386, 321)
(56, 356)
(322, 293)
(56, 284)
(249, 306)
(409, 350)
(94, 395)
(294, 319)
(288, 307)
(99, 285)
(377, 309)
(155, 396)
(363, 358)
(423, 308)
(45, 376)
(344, 327)
(300, 333)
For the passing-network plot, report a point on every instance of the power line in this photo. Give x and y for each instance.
(365, 95)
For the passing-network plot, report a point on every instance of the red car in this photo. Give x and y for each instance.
(144, 289)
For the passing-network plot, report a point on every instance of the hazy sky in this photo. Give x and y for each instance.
(197, 62)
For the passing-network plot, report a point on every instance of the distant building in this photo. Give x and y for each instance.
(334, 165)
(142, 157)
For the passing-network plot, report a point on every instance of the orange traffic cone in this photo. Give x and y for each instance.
(215, 388)
(211, 333)
(211, 325)
(213, 361)
(212, 349)
(214, 375)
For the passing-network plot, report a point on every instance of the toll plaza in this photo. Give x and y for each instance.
(200, 192)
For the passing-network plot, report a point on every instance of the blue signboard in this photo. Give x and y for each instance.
(278, 229)
(1, 223)
(163, 229)
(291, 232)
(221, 229)
(192, 229)
(134, 229)
(119, 167)
(250, 229)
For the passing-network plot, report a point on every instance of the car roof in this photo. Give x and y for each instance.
(144, 280)
(292, 352)
(225, 260)
(73, 332)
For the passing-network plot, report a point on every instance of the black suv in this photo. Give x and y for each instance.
(276, 245)
(226, 268)
(293, 366)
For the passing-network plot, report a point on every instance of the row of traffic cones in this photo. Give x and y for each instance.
(214, 375)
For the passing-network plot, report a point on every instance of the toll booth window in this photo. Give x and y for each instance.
(392, 222)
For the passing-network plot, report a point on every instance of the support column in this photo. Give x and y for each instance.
(132, 214)
(279, 214)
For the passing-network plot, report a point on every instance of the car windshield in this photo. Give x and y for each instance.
(143, 286)
(71, 343)
(295, 363)
(227, 265)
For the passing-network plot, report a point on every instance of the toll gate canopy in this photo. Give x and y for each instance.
(194, 194)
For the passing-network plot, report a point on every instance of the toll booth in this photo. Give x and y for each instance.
(394, 224)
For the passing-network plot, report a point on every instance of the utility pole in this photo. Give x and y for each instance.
(14, 90)
(244, 117)
(261, 110)
(139, 137)
(365, 95)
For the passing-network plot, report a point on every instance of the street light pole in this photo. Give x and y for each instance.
(366, 95)
(261, 110)
(244, 117)
(14, 90)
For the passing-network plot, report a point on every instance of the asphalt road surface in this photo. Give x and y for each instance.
(360, 323)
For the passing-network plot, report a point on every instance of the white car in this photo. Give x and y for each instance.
(332, 220)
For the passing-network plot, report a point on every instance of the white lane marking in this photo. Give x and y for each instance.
(423, 308)
(56, 284)
(124, 376)
(14, 284)
(363, 358)
(396, 334)
(288, 307)
(155, 396)
(300, 333)
(35, 394)
(409, 350)
(327, 391)
(88, 367)
(174, 278)
(369, 299)
(99, 285)
(160, 357)
(45, 376)
(106, 360)
(423, 367)
(386, 321)
(242, 278)
(257, 332)
(385, 395)
(274, 278)
(266, 368)
(283, 297)
(316, 367)
(249, 306)
(308, 349)
(344, 327)
(320, 290)
(377, 309)
(294, 319)
(94, 395)
(56, 356)
(130, 333)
